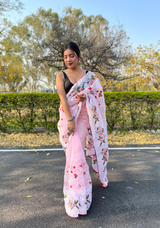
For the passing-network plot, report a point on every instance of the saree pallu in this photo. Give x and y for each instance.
(90, 124)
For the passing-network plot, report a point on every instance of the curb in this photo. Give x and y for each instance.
(61, 149)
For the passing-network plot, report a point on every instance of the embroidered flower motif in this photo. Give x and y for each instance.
(100, 94)
(95, 114)
(100, 132)
(73, 94)
(91, 80)
(90, 144)
(80, 88)
(79, 168)
(77, 203)
(73, 204)
(94, 159)
(105, 155)
(65, 137)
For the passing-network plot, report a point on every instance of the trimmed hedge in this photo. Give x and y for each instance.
(134, 110)
(29, 110)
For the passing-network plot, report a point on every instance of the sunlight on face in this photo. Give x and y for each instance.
(70, 58)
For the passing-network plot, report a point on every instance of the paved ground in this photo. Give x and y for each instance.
(123, 204)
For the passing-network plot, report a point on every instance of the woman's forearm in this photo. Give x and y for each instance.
(66, 109)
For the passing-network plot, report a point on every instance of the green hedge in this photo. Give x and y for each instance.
(29, 110)
(135, 110)
(131, 110)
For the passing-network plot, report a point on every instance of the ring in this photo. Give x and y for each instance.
(71, 130)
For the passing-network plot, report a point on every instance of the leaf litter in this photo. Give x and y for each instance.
(44, 139)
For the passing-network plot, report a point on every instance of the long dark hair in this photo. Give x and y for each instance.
(73, 46)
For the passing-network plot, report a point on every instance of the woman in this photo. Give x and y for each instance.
(82, 117)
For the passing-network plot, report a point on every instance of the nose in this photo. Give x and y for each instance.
(69, 58)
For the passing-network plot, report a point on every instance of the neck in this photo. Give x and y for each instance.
(75, 69)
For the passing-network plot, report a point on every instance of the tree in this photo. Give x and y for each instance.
(145, 66)
(24, 40)
(103, 50)
(11, 74)
(40, 38)
(5, 7)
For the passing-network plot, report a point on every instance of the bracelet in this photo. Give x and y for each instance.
(72, 118)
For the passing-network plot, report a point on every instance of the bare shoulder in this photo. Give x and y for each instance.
(60, 76)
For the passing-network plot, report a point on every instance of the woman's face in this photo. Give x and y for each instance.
(70, 58)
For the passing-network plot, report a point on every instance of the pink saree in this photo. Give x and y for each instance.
(90, 124)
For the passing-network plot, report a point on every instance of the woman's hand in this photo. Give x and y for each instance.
(81, 97)
(71, 126)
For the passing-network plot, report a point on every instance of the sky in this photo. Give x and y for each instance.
(140, 18)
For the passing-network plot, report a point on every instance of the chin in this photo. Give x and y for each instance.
(71, 67)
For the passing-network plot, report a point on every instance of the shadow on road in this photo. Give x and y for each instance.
(132, 198)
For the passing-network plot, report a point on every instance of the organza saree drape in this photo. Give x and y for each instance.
(90, 124)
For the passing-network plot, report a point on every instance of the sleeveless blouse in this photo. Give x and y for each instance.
(67, 83)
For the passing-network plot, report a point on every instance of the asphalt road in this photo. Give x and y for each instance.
(132, 199)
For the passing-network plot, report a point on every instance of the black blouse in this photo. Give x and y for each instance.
(67, 83)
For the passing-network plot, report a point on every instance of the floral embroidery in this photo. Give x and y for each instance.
(77, 181)
(65, 137)
(100, 132)
(100, 94)
(95, 114)
(80, 88)
(77, 111)
(73, 204)
(91, 80)
(105, 156)
(90, 144)
(87, 199)
(94, 159)
(73, 94)
(78, 203)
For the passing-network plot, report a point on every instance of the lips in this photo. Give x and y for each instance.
(69, 64)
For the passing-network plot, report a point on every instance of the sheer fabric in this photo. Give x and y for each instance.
(90, 124)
